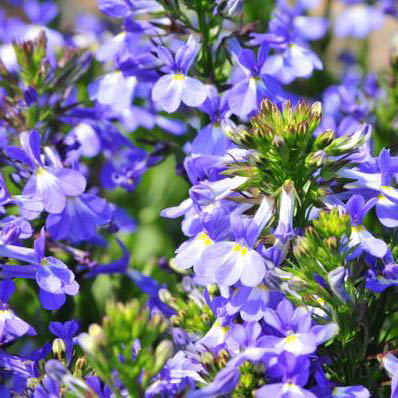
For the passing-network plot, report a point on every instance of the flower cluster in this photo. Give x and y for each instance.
(282, 282)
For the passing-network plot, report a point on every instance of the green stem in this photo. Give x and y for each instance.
(204, 28)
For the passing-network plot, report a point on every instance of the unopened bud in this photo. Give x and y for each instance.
(394, 53)
(96, 331)
(347, 143)
(316, 110)
(58, 347)
(331, 242)
(80, 363)
(163, 352)
(315, 159)
(323, 139)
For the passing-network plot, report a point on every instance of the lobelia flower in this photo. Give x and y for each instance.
(179, 373)
(102, 391)
(212, 139)
(49, 389)
(49, 184)
(54, 278)
(289, 33)
(65, 331)
(360, 237)
(125, 8)
(294, 374)
(20, 367)
(378, 282)
(284, 231)
(251, 303)
(176, 86)
(300, 337)
(80, 218)
(125, 168)
(57, 371)
(252, 83)
(14, 228)
(114, 90)
(40, 12)
(390, 363)
(358, 21)
(226, 263)
(11, 326)
(205, 209)
(379, 185)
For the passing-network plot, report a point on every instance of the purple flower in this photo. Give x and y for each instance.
(176, 86)
(358, 21)
(54, 278)
(40, 13)
(50, 184)
(49, 389)
(251, 303)
(294, 373)
(65, 331)
(390, 363)
(284, 230)
(124, 8)
(378, 282)
(11, 326)
(252, 83)
(96, 385)
(289, 33)
(80, 218)
(360, 237)
(212, 139)
(114, 90)
(229, 262)
(378, 185)
(300, 337)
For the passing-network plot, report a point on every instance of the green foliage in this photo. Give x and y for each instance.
(130, 343)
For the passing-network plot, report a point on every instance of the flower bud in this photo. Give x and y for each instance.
(315, 159)
(324, 139)
(394, 53)
(316, 110)
(58, 348)
(163, 352)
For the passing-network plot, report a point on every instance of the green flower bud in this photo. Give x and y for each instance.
(346, 143)
(316, 159)
(323, 139)
(163, 352)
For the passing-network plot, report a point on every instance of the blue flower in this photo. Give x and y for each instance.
(252, 83)
(300, 337)
(65, 331)
(229, 262)
(54, 278)
(80, 218)
(358, 21)
(11, 326)
(361, 239)
(176, 85)
(50, 184)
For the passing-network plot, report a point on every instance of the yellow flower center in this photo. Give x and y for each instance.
(357, 228)
(178, 76)
(242, 250)
(291, 339)
(205, 239)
